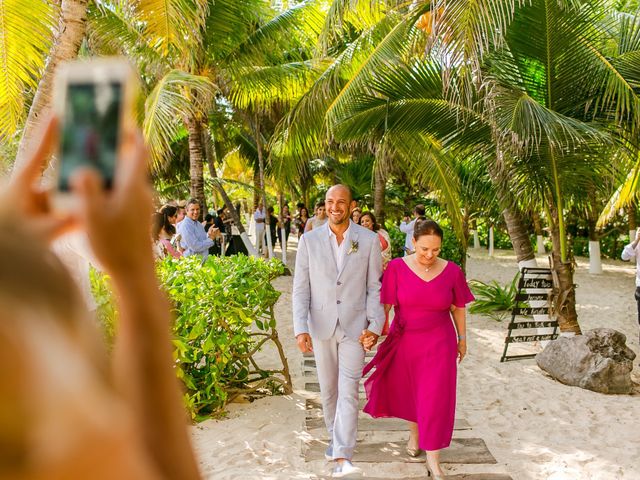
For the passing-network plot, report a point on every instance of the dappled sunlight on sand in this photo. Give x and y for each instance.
(535, 427)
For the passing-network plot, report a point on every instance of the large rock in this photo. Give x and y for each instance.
(599, 360)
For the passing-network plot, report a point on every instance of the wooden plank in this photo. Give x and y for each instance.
(460, 476)
(535, 271)
(369, 424)
(313, 404)
(526, 339)
(462, 450)
(531, 311)
(534, 324)
(367, 354)
(538, 283)
(536, 297)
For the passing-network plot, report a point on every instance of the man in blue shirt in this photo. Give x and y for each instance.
(195, 240)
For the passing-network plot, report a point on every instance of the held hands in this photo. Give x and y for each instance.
(368, 340)
(304, 342)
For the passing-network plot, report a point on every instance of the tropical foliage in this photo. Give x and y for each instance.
(518, 115)
(223, 319)
(492, 299)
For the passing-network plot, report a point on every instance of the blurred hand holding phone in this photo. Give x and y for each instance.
(94, 102)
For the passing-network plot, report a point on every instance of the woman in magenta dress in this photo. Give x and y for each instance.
(416, 366)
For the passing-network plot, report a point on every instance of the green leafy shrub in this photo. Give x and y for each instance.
(223, 316)
(492, 299)
(216, 305)
(397, 239)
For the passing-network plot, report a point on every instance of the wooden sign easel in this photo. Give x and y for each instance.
(535, 285)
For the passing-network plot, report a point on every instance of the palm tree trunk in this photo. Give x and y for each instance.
(72, 26)
(257, 188)
(379, 190)
(633, 221)
(516, 228)
(537, 228)
(565, 298)
(196, 163)
(263, 191)
(217, 185)
(595, 258)
(465, 231)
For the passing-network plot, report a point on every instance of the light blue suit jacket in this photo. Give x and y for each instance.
(322, 295)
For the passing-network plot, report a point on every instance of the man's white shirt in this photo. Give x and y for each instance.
(339, 251)
(628, 253)
(259, 214)
(407, 229)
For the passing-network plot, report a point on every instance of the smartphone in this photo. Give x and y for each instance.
(93, 100)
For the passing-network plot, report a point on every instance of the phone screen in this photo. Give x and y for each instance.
(90, 130)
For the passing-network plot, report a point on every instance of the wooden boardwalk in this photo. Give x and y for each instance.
(383, 441)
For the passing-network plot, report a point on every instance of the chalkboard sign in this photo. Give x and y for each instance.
(535, 285)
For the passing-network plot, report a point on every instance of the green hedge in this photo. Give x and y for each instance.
(223, 315)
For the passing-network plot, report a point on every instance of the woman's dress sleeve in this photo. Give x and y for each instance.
(389, 290)
(461, 292)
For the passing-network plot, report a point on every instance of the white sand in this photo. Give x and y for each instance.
(535, 427)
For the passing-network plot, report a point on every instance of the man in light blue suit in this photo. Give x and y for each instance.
(336, 305)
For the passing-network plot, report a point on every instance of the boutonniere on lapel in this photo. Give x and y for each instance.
(354, 247)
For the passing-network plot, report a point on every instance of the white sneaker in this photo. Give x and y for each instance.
(346, 470)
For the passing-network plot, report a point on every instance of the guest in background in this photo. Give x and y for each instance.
(407, 225)
(356, 213)
(286, 223)
(171, 213)
(273, 226)
(633, 251)
(368, 220)
(415, 367)
(194, 238)
(301, 220)
(259, 216)
(319, 219)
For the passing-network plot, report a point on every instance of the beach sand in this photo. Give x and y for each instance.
(535, 427)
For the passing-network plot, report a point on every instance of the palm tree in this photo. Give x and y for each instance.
(196, 54)
(36, 37)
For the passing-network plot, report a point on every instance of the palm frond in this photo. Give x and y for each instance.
(346, 16)
(175, 97)
(626, 193)
(409, 99)
(293, 32)
(258, 88)
(431, 166)
(387, 53)
(172, 25)
(111, 30)
(26, 33)
(302, 134)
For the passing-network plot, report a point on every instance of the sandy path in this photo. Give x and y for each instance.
(535, 427)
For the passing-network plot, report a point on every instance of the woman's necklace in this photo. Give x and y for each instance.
(426, 269)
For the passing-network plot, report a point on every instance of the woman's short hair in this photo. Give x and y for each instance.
(376, 227)
(427, 227)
